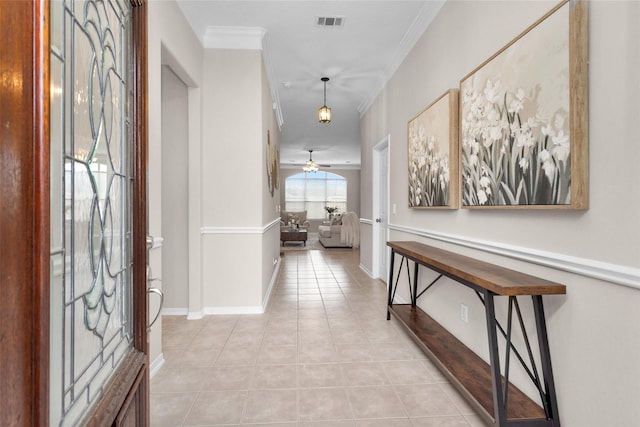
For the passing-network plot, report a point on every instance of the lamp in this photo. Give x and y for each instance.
(310, 166)
(324, 112)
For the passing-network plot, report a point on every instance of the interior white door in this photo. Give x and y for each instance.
(380, 203)
(383, 212)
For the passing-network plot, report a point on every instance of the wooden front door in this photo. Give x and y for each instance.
(73, 154)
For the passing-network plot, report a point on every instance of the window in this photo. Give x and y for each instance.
(313, 191)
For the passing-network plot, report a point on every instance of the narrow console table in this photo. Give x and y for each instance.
(481, 383)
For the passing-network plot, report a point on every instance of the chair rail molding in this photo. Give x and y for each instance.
(614, 273)
(240, 230)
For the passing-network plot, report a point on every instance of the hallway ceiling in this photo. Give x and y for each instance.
(359, 57)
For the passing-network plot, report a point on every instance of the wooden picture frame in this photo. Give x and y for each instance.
(432, 147)
(524, 118)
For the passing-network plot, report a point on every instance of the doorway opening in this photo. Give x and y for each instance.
(175, 193)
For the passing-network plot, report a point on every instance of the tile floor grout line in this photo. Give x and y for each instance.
(360, 299)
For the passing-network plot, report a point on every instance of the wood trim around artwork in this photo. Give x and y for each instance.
(579, 101)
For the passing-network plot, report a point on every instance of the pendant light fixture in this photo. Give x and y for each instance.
(324, 112)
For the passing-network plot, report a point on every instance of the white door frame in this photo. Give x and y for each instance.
(376, 204)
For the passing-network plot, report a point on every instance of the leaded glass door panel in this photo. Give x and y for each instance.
(95, 148)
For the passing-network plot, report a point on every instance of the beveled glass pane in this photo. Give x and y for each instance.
(92, 288)
(85, 125)
(67, 94)
(83, 200)
(56, 338)
(56, 120)
(56, 8)
(113, 237)
(113, 120)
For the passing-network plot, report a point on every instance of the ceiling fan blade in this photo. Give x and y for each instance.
(303, 164)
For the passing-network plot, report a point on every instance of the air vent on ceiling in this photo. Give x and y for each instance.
(330, 21)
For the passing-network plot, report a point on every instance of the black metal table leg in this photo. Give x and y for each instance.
(551, 405)
(496, 378)
(390, 283)
(415, 284)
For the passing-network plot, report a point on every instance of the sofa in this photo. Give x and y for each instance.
(342, 231)
(329, 236)
(288, 218)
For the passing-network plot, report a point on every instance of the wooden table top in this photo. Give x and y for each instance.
(497, 279)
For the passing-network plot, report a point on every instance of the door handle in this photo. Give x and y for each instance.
(154, 290)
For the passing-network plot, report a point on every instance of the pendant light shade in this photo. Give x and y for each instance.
(324, 112)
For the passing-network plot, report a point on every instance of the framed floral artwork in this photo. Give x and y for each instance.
(433, 154)
(524, 118)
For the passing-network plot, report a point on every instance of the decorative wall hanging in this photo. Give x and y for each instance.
(524, 118)
(433, 154)
(273, 165)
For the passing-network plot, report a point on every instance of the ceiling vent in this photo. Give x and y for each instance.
(330, 21)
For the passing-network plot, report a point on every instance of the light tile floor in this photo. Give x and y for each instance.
(322, 355)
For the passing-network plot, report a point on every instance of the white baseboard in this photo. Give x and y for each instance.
(156, 365)
(175, 311)
(272, 283)
(235, 310)
(195, 315)
(366, 270)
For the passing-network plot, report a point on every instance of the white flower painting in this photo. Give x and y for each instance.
(515, 121)
(432, 147)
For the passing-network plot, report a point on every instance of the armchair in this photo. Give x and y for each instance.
(294, 217)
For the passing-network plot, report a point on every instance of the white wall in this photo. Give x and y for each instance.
(175, 191)
(270, 202)
(171, 41)
(593, 330)
(238, 209)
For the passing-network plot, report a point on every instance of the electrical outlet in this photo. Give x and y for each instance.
(464, 313)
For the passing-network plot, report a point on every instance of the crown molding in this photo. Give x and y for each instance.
(243, 38)
(246, 38)
(268, 65)
(426, 15)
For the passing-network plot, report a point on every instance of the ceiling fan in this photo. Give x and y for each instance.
(311, 166)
